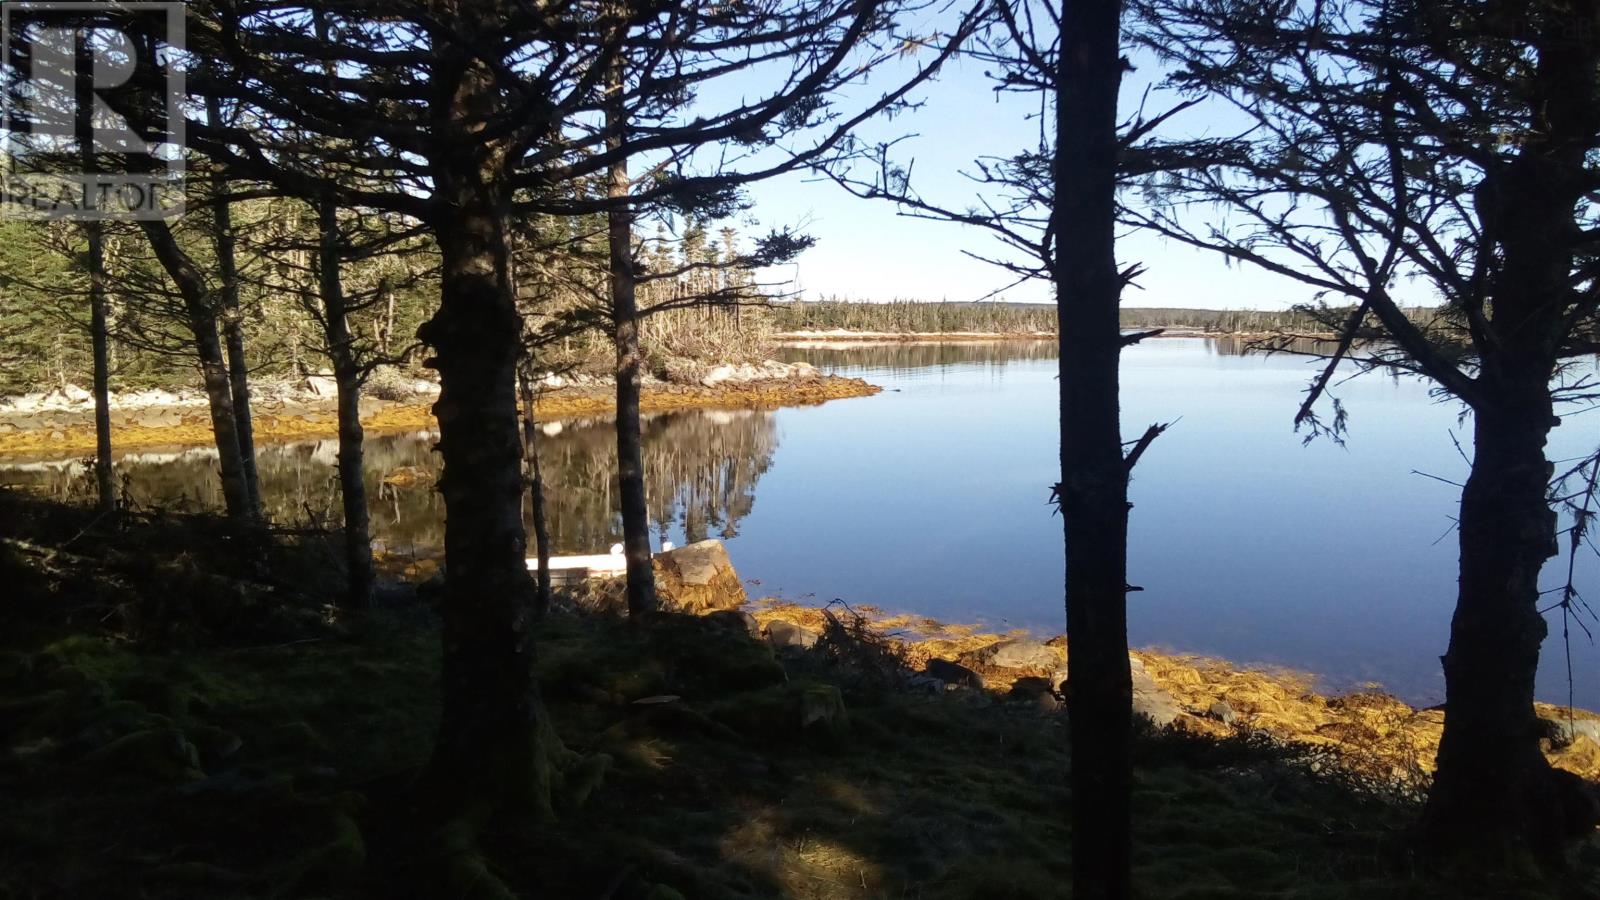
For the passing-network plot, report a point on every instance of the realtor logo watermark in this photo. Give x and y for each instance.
(91, 109)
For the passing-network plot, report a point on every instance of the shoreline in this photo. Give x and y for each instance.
(1373, 732)
(62, 433)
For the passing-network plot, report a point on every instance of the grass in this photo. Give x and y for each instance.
(253, 758)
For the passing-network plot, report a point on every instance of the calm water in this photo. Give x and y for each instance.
(931, 497)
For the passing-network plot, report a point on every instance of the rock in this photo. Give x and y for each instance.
(1151, 700)
(160, 753)
(1019, 654)
(1564, 732)
(422, 387)
(952, 673)
(924, 684)
(698, 579)
(737, 619)
(1222, 712)
(156, 417)
(214, 744)
(717, 376)
(1037, 691)
(321, 386)
(822, 706)
(787, 634)
(1058, 682)
(75, 394)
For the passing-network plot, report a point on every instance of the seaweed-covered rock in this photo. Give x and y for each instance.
(698, 579)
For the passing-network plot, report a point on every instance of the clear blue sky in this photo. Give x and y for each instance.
(866, 250)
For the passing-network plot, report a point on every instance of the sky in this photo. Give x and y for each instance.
(867, 250)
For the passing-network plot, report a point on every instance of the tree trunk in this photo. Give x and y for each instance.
(233, 325)
(541, 526)
(99, 336)
(347, 380)
(494, 746)
(202, 321)
(625, 317)
(94, 234)
(1093, 492)
(238, 368)
(1495, 795)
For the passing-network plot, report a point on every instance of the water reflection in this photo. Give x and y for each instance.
(907, 358)
(912, 358)
(701, 468)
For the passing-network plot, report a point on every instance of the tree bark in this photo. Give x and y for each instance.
(1495, 795)
(94, 234)
(494, 746)
(100, 338)
(535, 475)
(233, 324)
(625, 319)
(1093, 493)
(202, 322)
(347, 381)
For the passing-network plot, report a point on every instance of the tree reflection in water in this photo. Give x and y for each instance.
(701, 467)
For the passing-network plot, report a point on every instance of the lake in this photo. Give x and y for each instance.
(932, 498)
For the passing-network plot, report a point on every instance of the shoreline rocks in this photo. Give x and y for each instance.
(60, 423)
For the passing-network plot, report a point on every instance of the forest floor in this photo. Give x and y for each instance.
(183, 715)
(57, 434)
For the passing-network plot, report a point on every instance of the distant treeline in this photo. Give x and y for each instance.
(1017, 318)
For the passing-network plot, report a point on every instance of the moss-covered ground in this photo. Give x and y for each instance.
(181, 716)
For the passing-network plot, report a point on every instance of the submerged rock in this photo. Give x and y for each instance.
(698, 579)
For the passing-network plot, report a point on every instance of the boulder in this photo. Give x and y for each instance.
(1037, 691)
(698, 579)
(952, 673)
(321, 386)
(1019, 654)
(787, 634)
(737, 620)
(1151, 700)
(1223, 713)
(1564, 732)
(717, 376)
